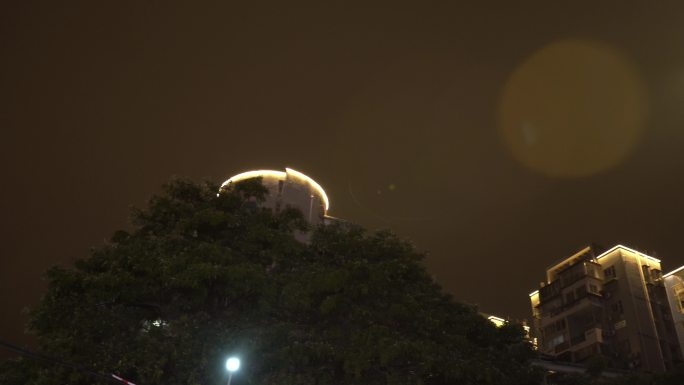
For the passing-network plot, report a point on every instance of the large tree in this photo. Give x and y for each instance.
(202, 276)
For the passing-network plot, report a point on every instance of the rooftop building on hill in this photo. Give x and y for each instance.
(291, 188)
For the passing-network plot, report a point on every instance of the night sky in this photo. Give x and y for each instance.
(498, 137)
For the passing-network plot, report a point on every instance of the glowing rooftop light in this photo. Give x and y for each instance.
(313, 183)
(673, 271)
(281, 176)
(497, 321)
(628, 249)
(233, 364)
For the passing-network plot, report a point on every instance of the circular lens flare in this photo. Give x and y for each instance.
(573, 109)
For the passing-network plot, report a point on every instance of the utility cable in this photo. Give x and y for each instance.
(43, 357)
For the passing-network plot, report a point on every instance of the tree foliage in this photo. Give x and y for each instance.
(674, 376)
(202, 276)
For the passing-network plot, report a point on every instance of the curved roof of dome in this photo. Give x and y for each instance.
(280, 175)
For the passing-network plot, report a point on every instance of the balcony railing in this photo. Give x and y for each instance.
(589, 337)
(555, 288)
(578, 339)
(561, 347)
(549, 291)
(587, 298)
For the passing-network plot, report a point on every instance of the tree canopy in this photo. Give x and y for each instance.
(201, 276)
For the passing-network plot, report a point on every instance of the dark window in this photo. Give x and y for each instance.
(609, 272)
(560, 325)
(656, 274)
(617, 307)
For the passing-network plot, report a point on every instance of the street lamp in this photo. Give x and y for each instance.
(232, 364)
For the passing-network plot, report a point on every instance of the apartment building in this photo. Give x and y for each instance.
(610, 303)
(674, 286)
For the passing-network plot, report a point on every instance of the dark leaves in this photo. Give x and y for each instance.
(203, 274)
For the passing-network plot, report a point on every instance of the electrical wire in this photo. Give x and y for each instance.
(43, 357)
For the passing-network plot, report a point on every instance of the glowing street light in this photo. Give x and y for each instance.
(232, 365)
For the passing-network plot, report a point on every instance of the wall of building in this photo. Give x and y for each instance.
(613, 304)
(290, 188)
(674, 287)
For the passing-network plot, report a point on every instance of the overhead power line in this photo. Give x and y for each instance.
(42, 357)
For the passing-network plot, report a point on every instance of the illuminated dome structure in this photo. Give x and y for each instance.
(290, 188)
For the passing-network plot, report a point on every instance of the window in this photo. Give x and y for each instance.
(680, 299)
(656, 274)
(560, 324)
(593, 288)
(557, 340)
(617, 307)
(609, 272)
(591, 270)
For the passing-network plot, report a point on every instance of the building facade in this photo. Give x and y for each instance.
(610, 303)
(674, 286)
(291, 188)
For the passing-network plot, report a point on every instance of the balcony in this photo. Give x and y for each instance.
(549, 291)
(561, 347)
(584, 271)
(587, 301)
(589, 337)
(575, 271)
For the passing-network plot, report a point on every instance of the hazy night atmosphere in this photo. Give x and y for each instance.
(498, 137)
